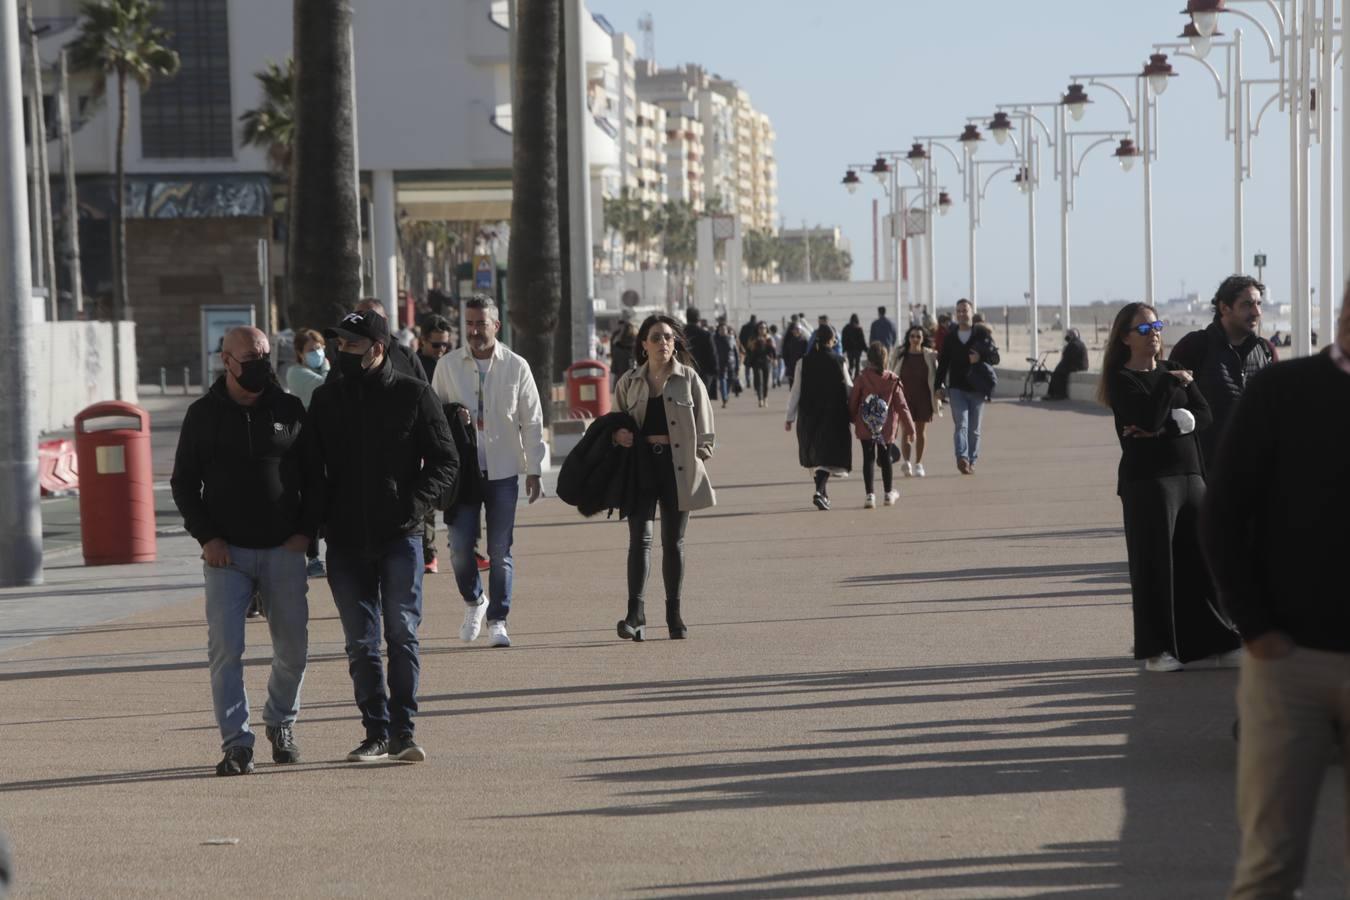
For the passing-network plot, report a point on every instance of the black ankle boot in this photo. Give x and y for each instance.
(674, 622)
(633, 625)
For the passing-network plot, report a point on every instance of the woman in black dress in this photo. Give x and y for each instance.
(819, 406)
(855, 344)
(761, 355)
(1158, 409)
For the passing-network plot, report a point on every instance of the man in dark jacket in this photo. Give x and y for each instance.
(1276, 517)
(883, 330)
(1226, 353)
(246, 496)
(1074, 358)
(965, 346)
(388, 458)
(404, 360)
(795, 345)
(701, 348)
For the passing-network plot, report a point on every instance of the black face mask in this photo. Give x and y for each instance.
(254, 375)
(349, 364)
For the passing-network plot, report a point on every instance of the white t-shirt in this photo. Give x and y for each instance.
(484, 366)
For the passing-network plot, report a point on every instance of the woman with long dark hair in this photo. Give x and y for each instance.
(761, 356)
(669, 402)
(916, 364)
(819, 405)
(855, 344)
(878, 409)
(1158, 408)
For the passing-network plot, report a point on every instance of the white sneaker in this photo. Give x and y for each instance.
(497, 636)
(1165, 662)
(891, 497)
(907, 468)
(1230, 660)
(918, 470)
(870, 502)
(473, 620)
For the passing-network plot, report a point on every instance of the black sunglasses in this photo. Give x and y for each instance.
(1146, 328)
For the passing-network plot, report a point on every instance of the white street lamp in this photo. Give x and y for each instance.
(851, 181)
(1075, 100)
(1205, 15)
(917, 157)
(1000, 126)
(882, 170)
(1157, 70)
(970, 140)
(944, 203)
(1126, 154)
(1201, 44)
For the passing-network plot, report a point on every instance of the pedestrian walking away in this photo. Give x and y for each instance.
(917, 367)
(724, 343)
(743, 339)
(761, 358)
(700, 343)
(1226, 353)
(855, 344)
(1073, 358)
(882, 330)
(675, 438)
(1158, 408)
(497, 392)
(253, 503)
(777, 366)
(1274, 518)
(388, 459)
(795, 345)
(621, 344)
(878, 409)
(819, 406)
(968, 353)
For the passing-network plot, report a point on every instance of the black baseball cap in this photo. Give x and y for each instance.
(367, 325)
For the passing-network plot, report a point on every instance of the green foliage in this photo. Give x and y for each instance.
(119, 37)
(271, 125)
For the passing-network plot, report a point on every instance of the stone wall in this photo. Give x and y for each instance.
(177, 266)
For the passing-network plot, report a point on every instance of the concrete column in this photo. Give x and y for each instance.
(384, 238)
(705, 283)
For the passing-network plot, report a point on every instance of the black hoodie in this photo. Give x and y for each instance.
(238, 473)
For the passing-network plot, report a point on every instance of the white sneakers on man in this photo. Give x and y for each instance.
(1164, 662)
(497, 636)
(473, 620)
(870, 502)
(891, 497)
(918, 470)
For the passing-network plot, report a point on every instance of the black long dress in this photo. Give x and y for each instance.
(824, 434)
(1161, 486)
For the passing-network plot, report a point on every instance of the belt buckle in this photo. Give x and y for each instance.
(658, 449)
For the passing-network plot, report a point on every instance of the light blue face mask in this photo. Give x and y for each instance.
(314, 359)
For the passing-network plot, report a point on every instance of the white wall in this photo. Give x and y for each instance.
(837, 299)
(72, 368)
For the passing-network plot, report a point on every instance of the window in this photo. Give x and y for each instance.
(190, 115)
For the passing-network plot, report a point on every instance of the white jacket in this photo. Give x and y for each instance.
(513, 420)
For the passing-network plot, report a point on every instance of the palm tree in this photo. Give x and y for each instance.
(534, 261)
(271, 126)
(324, 237)
(119, 37)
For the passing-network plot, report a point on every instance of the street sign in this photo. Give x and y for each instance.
(1260, 262)
(916, 222)
(482, 273)
(724, 228)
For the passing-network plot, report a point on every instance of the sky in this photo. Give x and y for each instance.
(844, 81)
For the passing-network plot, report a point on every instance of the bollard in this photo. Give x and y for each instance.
(163, 380)
(186, 384)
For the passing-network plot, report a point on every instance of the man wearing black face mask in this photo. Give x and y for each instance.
(239, 482)
(387, 455)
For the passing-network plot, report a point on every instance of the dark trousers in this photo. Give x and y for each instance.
(640, 525)
(762, 380)
(854, 363)
(367, 588)
(429, 537)
(1170, 586)
(872, 457)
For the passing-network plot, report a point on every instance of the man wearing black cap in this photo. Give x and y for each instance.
(403, 360)
(388, 458)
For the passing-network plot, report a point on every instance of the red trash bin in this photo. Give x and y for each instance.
(587, 388)
(117, 491)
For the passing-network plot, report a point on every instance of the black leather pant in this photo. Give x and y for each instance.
(640, 527)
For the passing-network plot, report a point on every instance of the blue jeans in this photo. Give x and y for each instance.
(279, 578)
(967, 411)
(500, 498)
(365, 589)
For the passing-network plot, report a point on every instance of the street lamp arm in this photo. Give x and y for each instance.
(984, 189)
(1181, 50)
(937, 142)
(1024, 109)
(1265, 32)
(1113, 137)
(1096, 81)
(1261, 114)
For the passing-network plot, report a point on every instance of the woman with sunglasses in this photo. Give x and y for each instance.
(669, 402)
(1158, 409)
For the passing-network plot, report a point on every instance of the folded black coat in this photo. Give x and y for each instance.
(598, 475)
(468, 488)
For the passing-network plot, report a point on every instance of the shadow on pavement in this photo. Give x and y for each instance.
(1086, 573)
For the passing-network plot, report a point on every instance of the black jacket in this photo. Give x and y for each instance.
(954, 360)
(598, 475)
(701, 348)
(386, 453)
(469, 485)
(1222, 371)
(239, 473)
(405, 363)
(855, 340)
(824, 429)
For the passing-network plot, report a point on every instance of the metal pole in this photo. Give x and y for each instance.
(1147, 124)
(37, 253)
(930, 206)
(1032, 325)
(44, 196)
(1065, 178)
(579, 184)
(1239, 151)
(1298, 329)
(72, 212)
(1345, 174)
(1304, 108)
(20, 519)
(163, 380)
(1326, 134)
(894, 241)
(971, 201)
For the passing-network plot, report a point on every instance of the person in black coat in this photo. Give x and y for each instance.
(1158, 409)
(819, 405)
(1074, 358)
(700, 343)
(403, 359)
(388, 458)
(855, 344)
(795, 345)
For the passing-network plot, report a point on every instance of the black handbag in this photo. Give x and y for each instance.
(893, 451)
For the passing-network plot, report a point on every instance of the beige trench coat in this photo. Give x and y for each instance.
(691, 428)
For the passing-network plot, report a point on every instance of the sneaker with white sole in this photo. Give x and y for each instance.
(473, 620)
(891, 497)
(404, 748)
(1164, 662)
(1230, 660)
(907, 468)
(918, 470)
(497, 636)
(870, 502)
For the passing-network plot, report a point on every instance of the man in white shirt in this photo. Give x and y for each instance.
(497, 391)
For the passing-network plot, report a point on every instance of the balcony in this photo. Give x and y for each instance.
(489, 31)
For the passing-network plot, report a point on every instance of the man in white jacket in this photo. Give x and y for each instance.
(500, 398)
